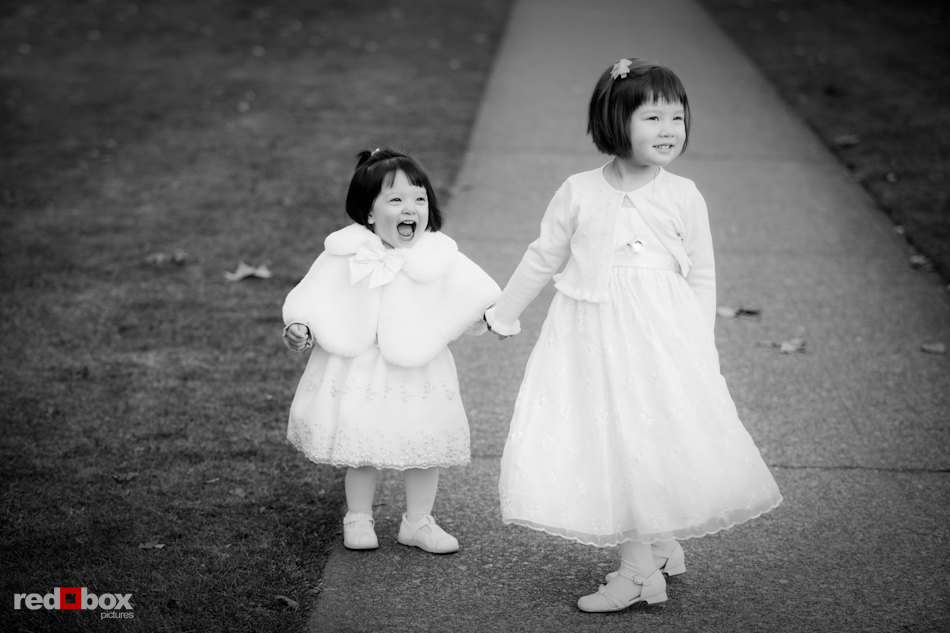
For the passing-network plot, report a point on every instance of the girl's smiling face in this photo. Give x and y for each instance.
(400, 212)
(657, 132)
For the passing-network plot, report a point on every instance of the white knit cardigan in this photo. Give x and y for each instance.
(576, 243)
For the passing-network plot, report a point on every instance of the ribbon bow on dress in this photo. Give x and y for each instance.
(379, 264)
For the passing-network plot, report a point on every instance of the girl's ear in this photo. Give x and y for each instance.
(370, 219)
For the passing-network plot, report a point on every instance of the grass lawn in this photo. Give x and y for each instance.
(149, 148)
(872, 79)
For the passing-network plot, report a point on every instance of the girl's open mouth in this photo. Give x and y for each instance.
(406, 230)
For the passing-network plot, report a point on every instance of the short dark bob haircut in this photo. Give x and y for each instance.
(377, 168)
(614, 101)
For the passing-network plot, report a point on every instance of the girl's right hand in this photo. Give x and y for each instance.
(297, 336)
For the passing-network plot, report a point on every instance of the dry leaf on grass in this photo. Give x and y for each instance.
(293, 604)
(245, 271)
(125, 477)
(177, 256)
(151, 545)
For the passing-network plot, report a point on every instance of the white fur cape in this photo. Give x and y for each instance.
(436, 296)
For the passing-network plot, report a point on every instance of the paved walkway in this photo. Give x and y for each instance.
(856, 430)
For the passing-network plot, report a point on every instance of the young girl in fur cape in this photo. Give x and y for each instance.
(379, 307)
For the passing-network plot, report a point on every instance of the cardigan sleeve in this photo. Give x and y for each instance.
(544, 257)
(699, 249)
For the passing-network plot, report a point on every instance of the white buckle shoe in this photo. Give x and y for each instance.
(358, 532)
(621, 593)
(427, 535)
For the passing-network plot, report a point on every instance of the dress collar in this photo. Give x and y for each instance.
(659, 177)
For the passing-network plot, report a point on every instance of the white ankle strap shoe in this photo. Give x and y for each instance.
(427, 535)
(358, 531)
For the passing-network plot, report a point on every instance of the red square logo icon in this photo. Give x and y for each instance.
(70, 597)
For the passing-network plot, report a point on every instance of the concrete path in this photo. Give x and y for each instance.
(856, 430)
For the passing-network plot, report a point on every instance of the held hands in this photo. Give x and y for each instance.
(297, 337)
(501, 337)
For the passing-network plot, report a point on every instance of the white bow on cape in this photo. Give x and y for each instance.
(380, 264)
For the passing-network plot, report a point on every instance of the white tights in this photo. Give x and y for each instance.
(636, 559)
(421, 485)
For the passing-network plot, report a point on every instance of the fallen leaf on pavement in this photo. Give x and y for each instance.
(728, 312)
(934, 348)
(244, 271)
(791, 346)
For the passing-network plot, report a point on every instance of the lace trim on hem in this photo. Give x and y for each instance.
(388, 465)
(614, 540)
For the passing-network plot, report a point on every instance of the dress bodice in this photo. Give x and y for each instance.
(635, 244)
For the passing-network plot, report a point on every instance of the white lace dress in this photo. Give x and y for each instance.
(623, 428)
(365, 411)
(381, 387)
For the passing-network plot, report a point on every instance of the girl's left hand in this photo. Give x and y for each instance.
(487, 321)
(297, 336)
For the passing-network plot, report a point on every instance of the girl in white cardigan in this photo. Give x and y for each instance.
(379, 306)
(624, 433)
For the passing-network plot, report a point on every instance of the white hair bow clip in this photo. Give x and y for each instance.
(621, 69)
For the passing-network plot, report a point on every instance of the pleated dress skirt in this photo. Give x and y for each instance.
(624, 429)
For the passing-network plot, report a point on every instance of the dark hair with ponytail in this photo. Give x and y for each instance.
(377, 168)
